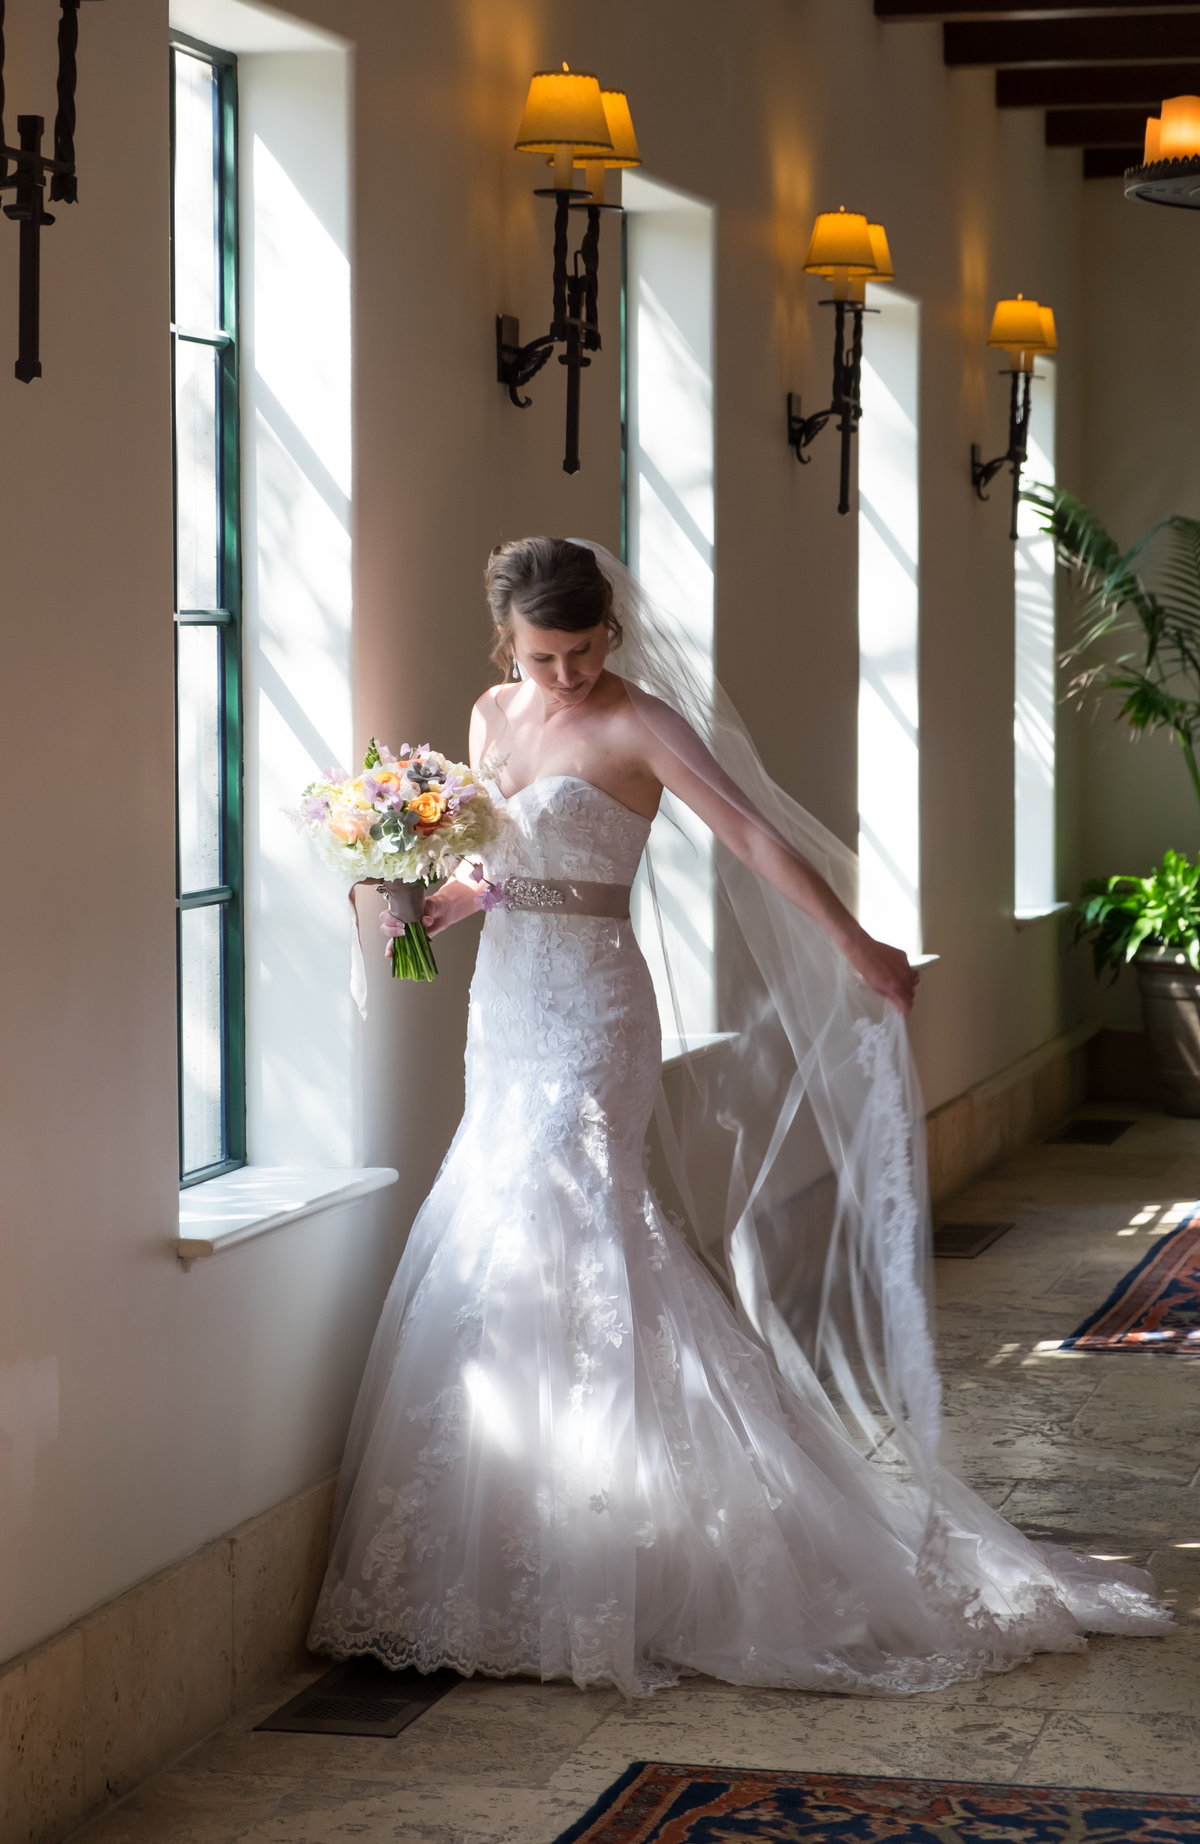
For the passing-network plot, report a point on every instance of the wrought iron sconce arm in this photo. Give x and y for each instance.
(24, 171)
(984, 472)
(846, 402)
(574, 322)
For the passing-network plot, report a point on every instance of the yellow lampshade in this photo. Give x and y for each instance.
(1179, 136)
(884, 271)
(1017, 326)
(840, 245)
(564, 108)
(1049, 331)
(1153, 140)
(620, 131)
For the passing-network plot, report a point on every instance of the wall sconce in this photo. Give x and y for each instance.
(848, 252)
(575, 123)
(1023, 329)
(1170, 169)
(27, 183)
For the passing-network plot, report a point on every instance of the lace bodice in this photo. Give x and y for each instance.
(562, 826)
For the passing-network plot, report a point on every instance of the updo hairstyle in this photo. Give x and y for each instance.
(552, 583)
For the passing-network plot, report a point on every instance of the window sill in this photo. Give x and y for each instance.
(242, 1205)
(1024, 918)
(677, 1052)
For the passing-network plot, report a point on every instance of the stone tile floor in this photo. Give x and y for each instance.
(1101, 1452)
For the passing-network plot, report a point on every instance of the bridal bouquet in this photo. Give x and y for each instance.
(407, 820)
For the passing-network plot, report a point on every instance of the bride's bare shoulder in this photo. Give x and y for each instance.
(642, 711)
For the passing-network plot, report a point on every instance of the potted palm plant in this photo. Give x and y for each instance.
(1147, 600)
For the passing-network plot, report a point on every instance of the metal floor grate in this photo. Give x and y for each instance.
(1086, 1131)
(362, 1697)
(963, 1241)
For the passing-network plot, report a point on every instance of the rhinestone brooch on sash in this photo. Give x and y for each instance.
(533, 893)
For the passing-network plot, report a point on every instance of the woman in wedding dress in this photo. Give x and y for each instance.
(587, 1444)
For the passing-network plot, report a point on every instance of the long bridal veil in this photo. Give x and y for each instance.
(820, 1223)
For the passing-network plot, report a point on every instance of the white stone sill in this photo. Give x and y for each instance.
(243, 1205)
(678, 1051)
(1024, 918)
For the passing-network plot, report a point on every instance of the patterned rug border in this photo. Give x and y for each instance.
(1077, 1339)
(577, 1833)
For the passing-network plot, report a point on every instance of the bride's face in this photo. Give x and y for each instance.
(565, 666)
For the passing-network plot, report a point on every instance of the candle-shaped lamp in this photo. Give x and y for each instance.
(564, 118)
(1021, 327)
(1179, 135)
(840, 248)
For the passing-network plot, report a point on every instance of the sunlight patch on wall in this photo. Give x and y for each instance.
(1034, 709)
(670, 514)
(888, 607)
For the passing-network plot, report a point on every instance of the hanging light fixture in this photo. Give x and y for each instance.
(847, 251)
(1170, 169)
(570, 120)
(1024, 329)
(31, 168)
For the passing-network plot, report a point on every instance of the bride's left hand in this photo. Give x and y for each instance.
(886, 971)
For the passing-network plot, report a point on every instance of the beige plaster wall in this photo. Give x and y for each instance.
(143, 1411)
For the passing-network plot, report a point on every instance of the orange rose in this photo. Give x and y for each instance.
(428, 808)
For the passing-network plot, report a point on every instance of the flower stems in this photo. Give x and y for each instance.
(411, 954)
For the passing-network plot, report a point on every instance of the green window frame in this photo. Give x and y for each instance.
(207, 614)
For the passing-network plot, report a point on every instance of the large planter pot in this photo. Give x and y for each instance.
(1171, 1009)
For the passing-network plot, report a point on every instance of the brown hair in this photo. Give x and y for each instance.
(551, 583)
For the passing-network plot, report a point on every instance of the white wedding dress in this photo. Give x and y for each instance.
(568, 1458)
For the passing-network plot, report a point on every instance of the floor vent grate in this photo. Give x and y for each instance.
(963, 1241)
(362, 1697)
(1090, 1132)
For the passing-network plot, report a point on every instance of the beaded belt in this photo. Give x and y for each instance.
(565, 897)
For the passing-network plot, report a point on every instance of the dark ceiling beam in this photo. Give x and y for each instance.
(1109, 162)
(1093, 127)
(1094, 85)
(1143, 38)
(1021, 9)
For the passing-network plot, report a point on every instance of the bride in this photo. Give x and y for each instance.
(589, 1445)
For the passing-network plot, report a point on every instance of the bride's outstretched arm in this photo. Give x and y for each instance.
(683, 764)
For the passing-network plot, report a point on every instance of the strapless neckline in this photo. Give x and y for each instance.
(580, 781)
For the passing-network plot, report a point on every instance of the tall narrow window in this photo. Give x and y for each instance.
(207, 610)
(669, 524)
(1035, 889)
(888, 602)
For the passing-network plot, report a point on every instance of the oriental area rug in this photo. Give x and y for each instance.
(661, 1802)
(1156, 1307)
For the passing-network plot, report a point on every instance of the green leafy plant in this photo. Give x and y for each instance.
(1118, 915)
(1158, 677)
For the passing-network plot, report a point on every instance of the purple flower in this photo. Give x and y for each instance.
(493, 895)
(315, 807)
(334, 774)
